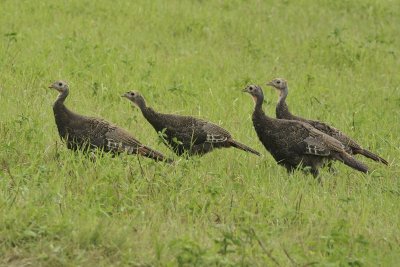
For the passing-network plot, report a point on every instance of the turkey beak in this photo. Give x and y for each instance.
(244, 90)
(270, 84)
(51, 86)
(125, 95)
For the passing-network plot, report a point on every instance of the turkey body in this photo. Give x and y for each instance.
(295, 144)
(89, 133)
(351, 146)
(187, 135)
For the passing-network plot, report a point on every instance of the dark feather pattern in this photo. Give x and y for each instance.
(295, 144)
(187, 134)
(89, 133)
(283, 112)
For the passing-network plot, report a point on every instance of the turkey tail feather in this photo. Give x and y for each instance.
(243, 147)
(371, 155)
(352, 162)
(153, 154)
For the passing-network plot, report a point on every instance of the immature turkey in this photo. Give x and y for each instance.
(186, 134)
(87, 133)
(282, 112)
(296, 144)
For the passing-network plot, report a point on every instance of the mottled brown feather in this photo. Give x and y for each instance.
(88, 133)
(283, 112)
(187, 135)
(296, 144)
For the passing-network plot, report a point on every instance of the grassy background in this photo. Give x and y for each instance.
(57, 208)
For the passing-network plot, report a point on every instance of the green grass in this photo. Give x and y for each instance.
(228, 208)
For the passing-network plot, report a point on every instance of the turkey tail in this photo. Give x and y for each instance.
(352, 162)
(243, 147)
(153, 154)
(137, 149)
(371, 155)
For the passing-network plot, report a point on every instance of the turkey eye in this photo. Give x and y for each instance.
(59, 84)
(278, 82)
(132, 94)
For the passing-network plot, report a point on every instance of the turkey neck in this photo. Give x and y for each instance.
(61, 98)
(282, 109)
(60, 110)
(150, 114)
(261, 121)
(265, 126)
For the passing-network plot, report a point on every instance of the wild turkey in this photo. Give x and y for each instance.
(296, 144)
(185, 134)
(88, 133)
(282, 112)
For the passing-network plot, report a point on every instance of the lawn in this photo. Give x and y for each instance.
(228, 208)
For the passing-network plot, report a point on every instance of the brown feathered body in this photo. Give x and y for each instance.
(88, 133)
(295, 144)
(188, 135)
(351, 146)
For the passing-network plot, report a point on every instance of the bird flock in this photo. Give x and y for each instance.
(294, 142)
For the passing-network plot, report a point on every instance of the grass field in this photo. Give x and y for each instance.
(228, 208)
